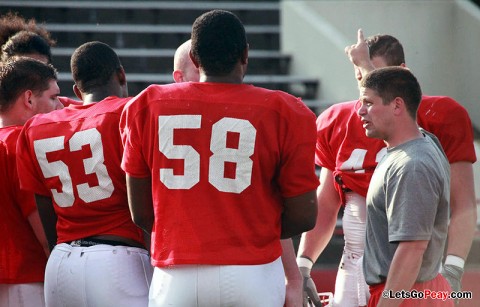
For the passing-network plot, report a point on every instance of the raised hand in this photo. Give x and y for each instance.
(359, 55)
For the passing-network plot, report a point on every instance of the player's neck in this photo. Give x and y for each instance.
(90, 98)
(6, 121)
(234, 77)
(221, 79)
(16, 115)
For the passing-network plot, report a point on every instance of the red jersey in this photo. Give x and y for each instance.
(343, 147)
(221, 158)
(73, 155)
(22, 258)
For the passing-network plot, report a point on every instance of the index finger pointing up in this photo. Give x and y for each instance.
(360, 38)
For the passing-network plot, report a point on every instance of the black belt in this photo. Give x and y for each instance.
(344, 188)
(87, 242)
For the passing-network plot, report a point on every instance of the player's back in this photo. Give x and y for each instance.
(22, 258)
(74, 155)
(221, 157)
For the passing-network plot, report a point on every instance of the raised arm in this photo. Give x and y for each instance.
(359, 55)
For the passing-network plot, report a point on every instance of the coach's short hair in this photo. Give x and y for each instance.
(24, 43)
(395, 81)
(20, 74)
(387, 47)
(93, 65)
(218, 42)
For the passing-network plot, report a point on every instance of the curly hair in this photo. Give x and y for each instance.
(218, 41)
(11, 23)
(24, 43)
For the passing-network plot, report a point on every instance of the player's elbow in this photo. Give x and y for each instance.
(143, 221)
(296, 226)
(299, 215)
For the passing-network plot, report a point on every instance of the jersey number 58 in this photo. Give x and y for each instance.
(218, 146)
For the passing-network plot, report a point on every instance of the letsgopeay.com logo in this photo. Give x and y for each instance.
(427, 294)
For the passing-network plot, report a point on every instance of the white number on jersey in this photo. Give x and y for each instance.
(93, 165)
(218, 146)
(191, 176)
(356, 159)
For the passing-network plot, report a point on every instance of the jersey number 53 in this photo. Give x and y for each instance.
(93, 165)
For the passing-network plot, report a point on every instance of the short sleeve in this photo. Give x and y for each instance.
(131, 131)
(27, 165)
(297, 174)
(450, 123)
(324, 156)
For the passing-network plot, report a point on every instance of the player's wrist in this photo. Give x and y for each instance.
(455, 260)
(304, 262)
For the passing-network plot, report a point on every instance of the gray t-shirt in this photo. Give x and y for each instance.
(407, 200)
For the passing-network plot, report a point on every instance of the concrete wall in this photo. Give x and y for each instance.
(441, 39)
(465, 55)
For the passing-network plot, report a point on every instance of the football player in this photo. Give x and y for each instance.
(71, 161)
(219, 171)
(27, 87)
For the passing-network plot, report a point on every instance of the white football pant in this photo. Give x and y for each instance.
(219, 285)
(22, 295)
(351, 290)
(100, 276)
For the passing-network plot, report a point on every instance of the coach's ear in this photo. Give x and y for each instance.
(77, 92)
(399, 106)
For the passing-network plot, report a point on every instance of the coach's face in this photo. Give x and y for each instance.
(47, 100)
(376, 116)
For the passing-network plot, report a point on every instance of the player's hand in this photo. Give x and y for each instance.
(453, 274)
(359, 55)
(294, 293)
(309, 288)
